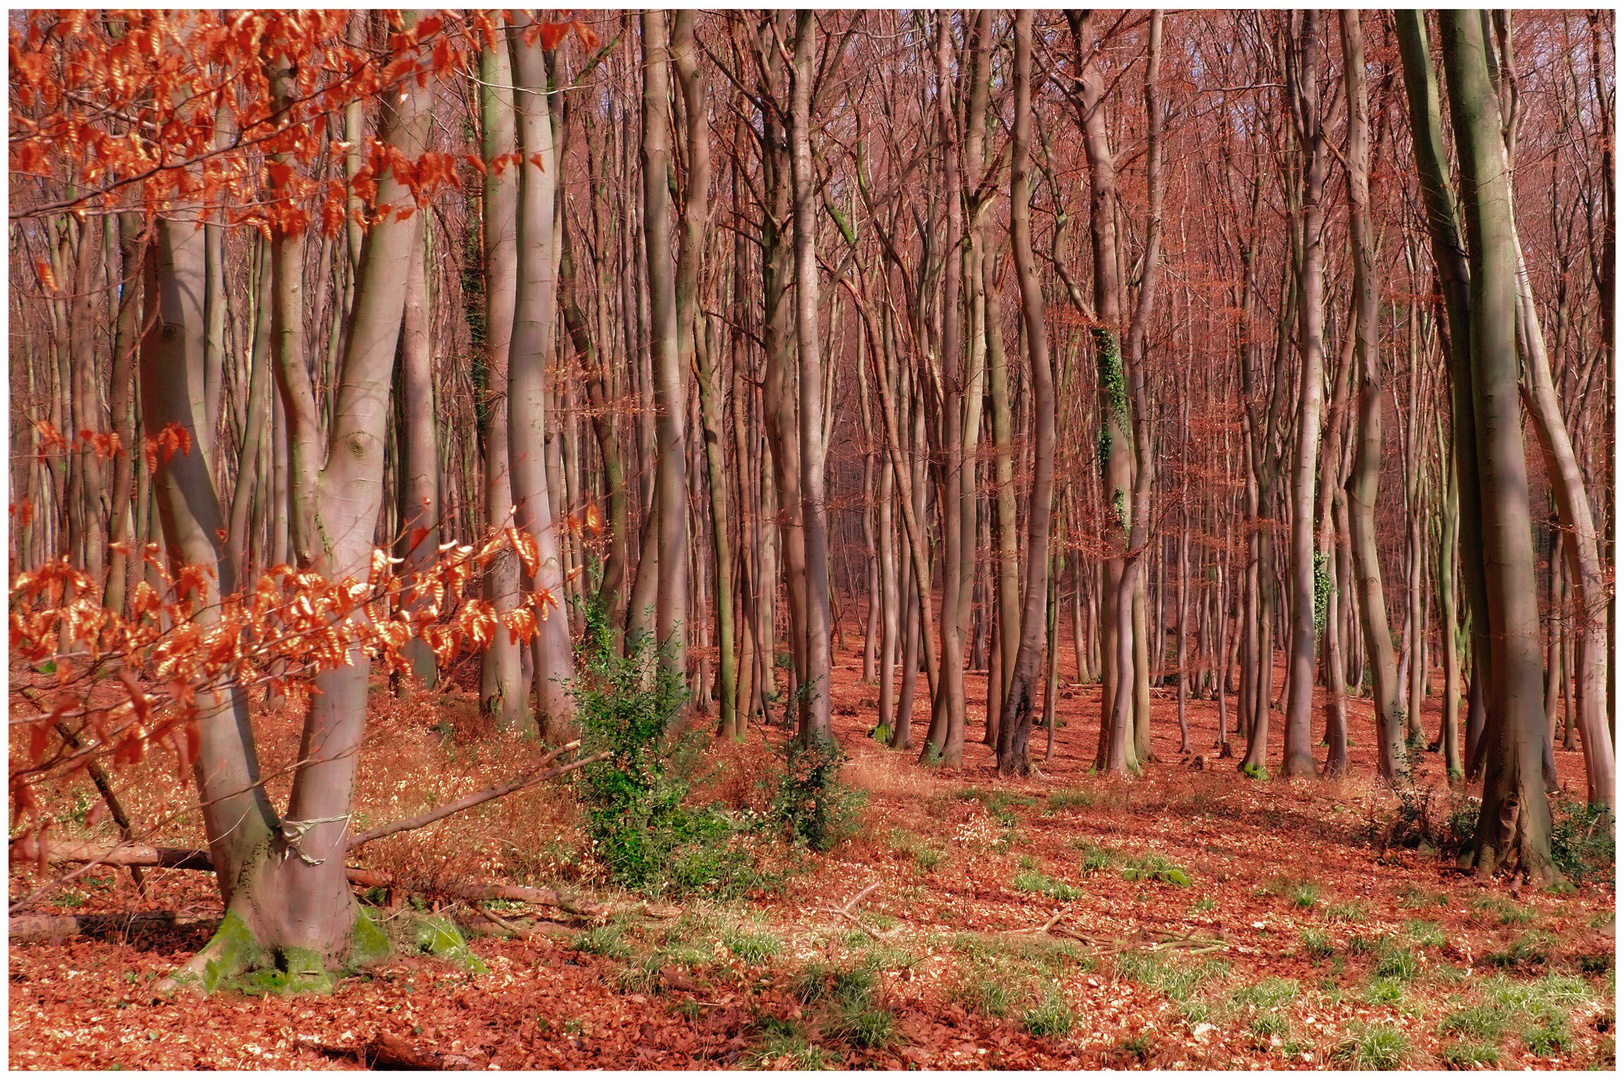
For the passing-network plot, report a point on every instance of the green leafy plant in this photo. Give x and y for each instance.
(634, 799)
(1582, 843)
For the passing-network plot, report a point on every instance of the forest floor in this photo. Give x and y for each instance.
(1189, 919)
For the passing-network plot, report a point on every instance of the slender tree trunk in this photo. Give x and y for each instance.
(815, 717)
(502, 695)
(1302, 72)
(1016, 726)
(530, 350)
(1367, 464)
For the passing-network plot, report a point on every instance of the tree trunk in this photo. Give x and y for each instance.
(502, 695)
(1016, 727)
(530, 350)
(1514, 825)
(815, 716)
(1302, 73)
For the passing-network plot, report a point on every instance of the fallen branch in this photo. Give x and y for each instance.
(127, 855)
(545, 897)
(407, 824)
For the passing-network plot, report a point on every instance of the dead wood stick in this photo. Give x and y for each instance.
(471, 801)
(517, 931)
(853, 902)
(855, 921)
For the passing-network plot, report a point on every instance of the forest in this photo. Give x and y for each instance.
(811, 539)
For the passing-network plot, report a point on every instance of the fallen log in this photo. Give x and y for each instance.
(525, 895)
(62, 927)
(127, 855)
(184, 859)
(387, 1051)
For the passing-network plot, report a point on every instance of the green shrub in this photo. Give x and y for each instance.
(1305, 894)
(634, 801)
(811, 803)
(1582, 841)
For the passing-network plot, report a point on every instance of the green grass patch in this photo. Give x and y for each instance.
(1154, 868)
(1096, 859)
(1034, 882)
(1050, 1018)
(1317, 943)
(1397, 962)
(1503, 911)
(752, 948)
(998, 803)
(1271, 993)
(1374, 1046)
(1470, 1055)
(925, 856)
(1384, 991)
(1175, 977)
(1070, 799)
(1425, 935)
(1349, 912)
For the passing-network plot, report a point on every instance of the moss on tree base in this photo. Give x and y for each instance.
(235, 960)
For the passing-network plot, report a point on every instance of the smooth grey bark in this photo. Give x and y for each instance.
(816, 692)
(502, 694)
(1302, 77)
(1362, 483)
(671, 488)
(1514, 825)
(1015, 729)
(419, 454)
(530, 351)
